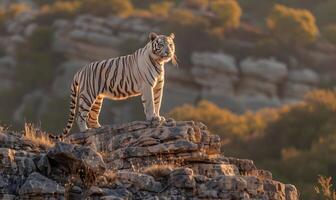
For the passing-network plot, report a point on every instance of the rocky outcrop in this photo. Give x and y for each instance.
(137, 160)
(89, 37)
(251, 83)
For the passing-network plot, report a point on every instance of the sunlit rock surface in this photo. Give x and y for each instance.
(137, 160)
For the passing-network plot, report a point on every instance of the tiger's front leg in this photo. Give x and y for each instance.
(148, 103)
(158, 91)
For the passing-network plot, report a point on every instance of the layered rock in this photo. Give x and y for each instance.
(137, 160)
(249, 83)
(215, 72)
(140, 144)
(300, 81)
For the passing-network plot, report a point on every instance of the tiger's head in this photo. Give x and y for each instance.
(163, 47)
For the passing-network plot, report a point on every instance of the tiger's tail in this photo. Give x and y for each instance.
(73, 103)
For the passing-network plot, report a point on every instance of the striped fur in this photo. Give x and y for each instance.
(140, 73)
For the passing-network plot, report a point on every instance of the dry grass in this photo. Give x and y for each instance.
(110, 176)
(325, 188)
(159, 170)
(36, 136)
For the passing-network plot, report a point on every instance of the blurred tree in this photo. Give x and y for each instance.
(16, 9)
(161, 9)
(189, 18)
(197, 4)
(227, 11)
(292, 26)
(58, 9)
(225, 123)
(122, 8)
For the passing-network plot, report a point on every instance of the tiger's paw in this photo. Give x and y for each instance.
(155, 121)
(162, 118)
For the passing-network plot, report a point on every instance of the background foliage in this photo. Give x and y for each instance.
(296, 142)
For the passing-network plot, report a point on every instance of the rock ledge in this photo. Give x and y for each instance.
(137, 160)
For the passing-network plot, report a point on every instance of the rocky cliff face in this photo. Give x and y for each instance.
(137, 160)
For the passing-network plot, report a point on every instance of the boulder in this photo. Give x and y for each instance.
(296, 91)
(250, 86)
(77, 159)
(303, 76)
(39, 186)
(212, 170)
(95, 38)
(269, 70)
(214, 62)
(16, 163)
(139, 181)
(215, 72)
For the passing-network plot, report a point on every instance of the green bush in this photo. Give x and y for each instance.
(228, 12)
(122, 8)
(292, 26)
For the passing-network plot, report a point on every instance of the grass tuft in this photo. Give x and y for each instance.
(159, 170)
(36, 136)
(325, 188)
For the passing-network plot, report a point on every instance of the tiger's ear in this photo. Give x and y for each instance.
(172, 35)
(152, 36)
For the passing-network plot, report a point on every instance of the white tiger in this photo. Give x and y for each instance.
(140, 73)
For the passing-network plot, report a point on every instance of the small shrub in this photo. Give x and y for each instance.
(142, 13)
(225, 123)
(122, 8)
(110, 176)
(227, 11)
(36, 136)
(325, 188)
(189, 18)
(292, 26)
(159, 170)
(161, 9)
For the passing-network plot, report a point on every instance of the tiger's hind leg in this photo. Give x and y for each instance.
(92, 120)
(84, 107)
